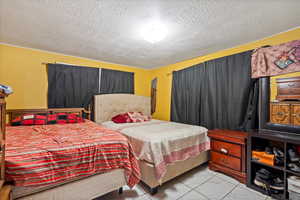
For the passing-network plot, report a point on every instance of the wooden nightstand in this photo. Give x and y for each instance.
(228, 153)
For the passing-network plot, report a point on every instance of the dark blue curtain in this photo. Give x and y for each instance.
(113, 81)
(216, 94)
(71, 86)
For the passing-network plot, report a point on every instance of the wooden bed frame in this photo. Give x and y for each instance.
(82, 188)
(13, 113)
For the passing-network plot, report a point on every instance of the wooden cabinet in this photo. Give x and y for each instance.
(288, 88)
(228, 153)
(4, 190)
(285, 113)
(295, 114)
(280, 113)
(2, 137)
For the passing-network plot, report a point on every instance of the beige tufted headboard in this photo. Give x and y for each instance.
(108, 105)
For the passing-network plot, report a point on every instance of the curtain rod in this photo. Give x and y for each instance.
(46, 63)
(265, 46)
(62, 63)
(170, 73)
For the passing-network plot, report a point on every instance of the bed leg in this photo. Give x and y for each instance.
(121, 190)
(153, 191)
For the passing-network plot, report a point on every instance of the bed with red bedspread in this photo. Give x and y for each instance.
(42, 155)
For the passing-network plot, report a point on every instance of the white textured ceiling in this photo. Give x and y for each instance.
(109, 30)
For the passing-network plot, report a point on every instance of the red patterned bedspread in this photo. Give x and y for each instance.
(48, 154)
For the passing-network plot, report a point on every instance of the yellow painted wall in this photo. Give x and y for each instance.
(22, 69)
(165, 80)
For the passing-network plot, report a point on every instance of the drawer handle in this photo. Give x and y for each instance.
(281, 114)
(291, 84)
(224, 150)
(223, 160)
(296, 115)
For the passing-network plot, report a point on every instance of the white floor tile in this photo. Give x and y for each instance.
(128, 194)
(171, 191)
(193, 195)
(143, 197)
(228, 178)
(215, 188)
(242, 193)
(196, 177)
(245, 186)
(206, 185)
(269, 198)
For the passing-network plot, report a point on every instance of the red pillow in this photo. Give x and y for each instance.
(52, 119)
(74, 118)
(121, 118)
(64, 118)
(29, 119)
(59, 118)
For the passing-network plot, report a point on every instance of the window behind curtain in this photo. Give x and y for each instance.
(113, 81)
(75, 86)
(71, 86)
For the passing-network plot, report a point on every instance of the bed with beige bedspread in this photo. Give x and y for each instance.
(164, 149)
(162, 143)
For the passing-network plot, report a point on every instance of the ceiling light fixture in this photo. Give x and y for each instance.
(154, 32)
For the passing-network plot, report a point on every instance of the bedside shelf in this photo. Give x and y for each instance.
(266, 165)
(275, 196)
(268, 138)
(292, 172)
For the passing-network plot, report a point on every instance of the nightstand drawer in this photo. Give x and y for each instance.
(225, 160)
(226, 148)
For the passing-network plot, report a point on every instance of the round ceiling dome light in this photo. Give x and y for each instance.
(154, 32)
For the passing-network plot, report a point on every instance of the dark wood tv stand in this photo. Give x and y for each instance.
(281, 138)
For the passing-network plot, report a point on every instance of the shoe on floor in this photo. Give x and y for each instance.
(269, 150)
(268, 181)
(264, 174)
(294, 167)
(294, 157)
(277, 184)
(278, 152)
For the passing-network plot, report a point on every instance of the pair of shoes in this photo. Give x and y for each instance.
(294, 159)
(269, 150)
(294, 167)
(268, 181)
(293, 155)
(278, 152)
(279, 156)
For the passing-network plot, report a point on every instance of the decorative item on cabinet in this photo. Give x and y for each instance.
(288, 88)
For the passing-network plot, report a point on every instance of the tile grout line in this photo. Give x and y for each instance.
(214, 175)
(200, 183)
(202, 194)
(230, 191)
(192, 188)
(184, 193)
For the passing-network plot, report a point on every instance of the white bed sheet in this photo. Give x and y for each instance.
(162, 142)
